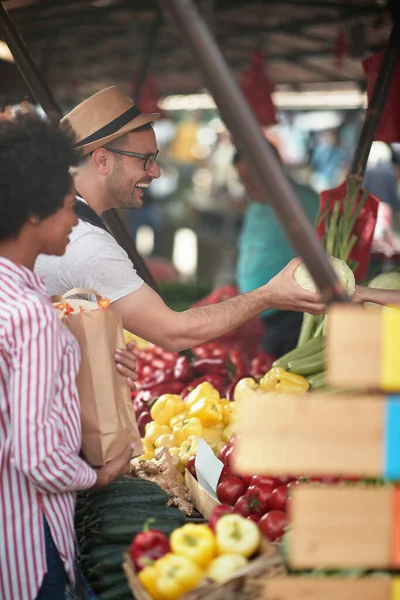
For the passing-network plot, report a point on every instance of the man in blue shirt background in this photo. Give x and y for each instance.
(264, 250)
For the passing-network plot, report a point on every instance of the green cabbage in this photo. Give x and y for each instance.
(386, 281)
(342, 270)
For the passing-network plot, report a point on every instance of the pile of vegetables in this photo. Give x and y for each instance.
(161, 372)
(177, 424)
(170, 567)
(106, 521)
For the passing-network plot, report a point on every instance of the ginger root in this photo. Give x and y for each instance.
(163, 471)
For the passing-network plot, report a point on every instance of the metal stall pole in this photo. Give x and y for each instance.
(379, 97)
(249, 138)
(44, 97)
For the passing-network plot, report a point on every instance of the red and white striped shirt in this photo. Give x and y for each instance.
(40, 433)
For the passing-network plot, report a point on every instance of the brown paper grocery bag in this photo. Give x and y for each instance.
(108, 419)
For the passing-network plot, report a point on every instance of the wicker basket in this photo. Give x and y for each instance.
(248, 583)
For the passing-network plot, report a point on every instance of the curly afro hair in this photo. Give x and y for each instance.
(35, 158)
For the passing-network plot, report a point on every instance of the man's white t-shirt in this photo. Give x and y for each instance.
(93, 259)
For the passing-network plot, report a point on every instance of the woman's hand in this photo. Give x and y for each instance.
(114, 469)
(383, 297)
(286, 294)
(126, 364)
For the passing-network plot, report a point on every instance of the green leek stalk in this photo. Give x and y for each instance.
(339, 242)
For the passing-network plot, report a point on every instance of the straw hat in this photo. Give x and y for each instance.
(103, 117)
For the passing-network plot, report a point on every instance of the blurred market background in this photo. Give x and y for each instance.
(299, 63)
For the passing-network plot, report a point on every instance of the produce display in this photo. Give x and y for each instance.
(169, 567)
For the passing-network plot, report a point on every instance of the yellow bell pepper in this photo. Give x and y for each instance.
(148, 446)
(166, 407)
(237, 535)
(218, 447)
(153, 431)
(194, 541)
(279, 380)
(209, 411)
(203, 390)
(188, 449)
(225, 567)
(187, 427)
(148, 578)
(246, 388)
(175, 453)
(227, 407)
(213, 435)
(146, 456)
(178, 418)
(177, 575)
(166, 440)
(228, 432)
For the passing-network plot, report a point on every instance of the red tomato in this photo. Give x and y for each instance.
(254, 518)
(229, 457)
(229, 490)
(285, 479)
(279, 498)
(217, 513)
(261, 494)
(316, 479)
(247, 479)
(226, 472)
(273, 524)
(274, 481)
(222, 452)
(245, 506)
(191, 468)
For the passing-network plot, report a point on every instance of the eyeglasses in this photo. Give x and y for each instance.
(149, 159)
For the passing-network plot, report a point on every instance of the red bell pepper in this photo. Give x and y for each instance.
(204, 366)
(183, 370)
(170, 387)
(148, 546)
(160, 376)
(239, 362)
(142, 421)
(261, 364)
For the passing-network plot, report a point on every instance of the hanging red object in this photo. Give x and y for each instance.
(340, 50)
(149, 96)
(257, 89)
(363, 228)
(389, 125)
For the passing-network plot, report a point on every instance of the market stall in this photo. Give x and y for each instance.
(263, 477)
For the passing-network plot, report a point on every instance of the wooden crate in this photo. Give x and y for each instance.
(332, 588)
(319, 435)
(201, 499)
(344, 527)
(363, 347)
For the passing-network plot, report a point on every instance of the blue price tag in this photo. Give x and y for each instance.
(391, 467)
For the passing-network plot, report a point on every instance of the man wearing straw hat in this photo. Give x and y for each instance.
(119, 152)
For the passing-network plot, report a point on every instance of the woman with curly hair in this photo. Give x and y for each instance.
(40, 431)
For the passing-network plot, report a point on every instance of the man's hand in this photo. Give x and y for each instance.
(126, 364)
(115, 469)
(286, 294)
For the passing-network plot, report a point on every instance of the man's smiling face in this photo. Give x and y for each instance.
(128, 177)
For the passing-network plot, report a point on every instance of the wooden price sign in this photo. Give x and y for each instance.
(363, 347)
(344, 527)
(332, 588)
(320, 435)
